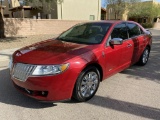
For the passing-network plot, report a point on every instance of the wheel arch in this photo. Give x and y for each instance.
(149, 46)
(75, 94)
(98, 66)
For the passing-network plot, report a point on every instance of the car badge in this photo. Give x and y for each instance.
(18, 54)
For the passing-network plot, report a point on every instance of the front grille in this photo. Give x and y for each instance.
(22, 71)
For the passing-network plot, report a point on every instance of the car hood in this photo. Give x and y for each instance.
(50, 52)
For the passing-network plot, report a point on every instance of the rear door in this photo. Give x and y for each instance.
(138, 38)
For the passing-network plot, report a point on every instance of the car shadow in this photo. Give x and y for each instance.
(123, 106)
(10, 39)
(9, 95)
(126, 107)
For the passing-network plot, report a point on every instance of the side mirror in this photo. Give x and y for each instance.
(116, 41)
(148, 31)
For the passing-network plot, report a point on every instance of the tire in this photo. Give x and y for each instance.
(144, 57)
(87, 84)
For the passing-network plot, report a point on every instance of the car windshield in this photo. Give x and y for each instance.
(87, 33)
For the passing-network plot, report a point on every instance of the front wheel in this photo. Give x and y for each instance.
(86, 84)
(144, 57)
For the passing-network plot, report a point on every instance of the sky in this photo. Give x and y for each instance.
(104, 5)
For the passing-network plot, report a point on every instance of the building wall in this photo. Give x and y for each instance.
(24, 27)
(79, 9)
(157, 25)
(6, 12)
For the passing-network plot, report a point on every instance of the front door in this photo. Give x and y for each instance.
(127, 53)
(118, 57)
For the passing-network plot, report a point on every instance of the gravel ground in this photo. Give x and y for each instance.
(18, 42)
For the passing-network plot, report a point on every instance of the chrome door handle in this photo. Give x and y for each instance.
(145, 39)
(129, 45)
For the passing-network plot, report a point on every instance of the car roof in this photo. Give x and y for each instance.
(110, 21)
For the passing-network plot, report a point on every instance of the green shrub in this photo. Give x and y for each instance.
(147, 25)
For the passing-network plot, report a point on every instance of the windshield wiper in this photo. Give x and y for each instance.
(63, 39)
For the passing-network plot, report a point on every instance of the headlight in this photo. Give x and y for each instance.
(50, 69)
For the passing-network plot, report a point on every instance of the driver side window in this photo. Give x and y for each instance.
(120, 31)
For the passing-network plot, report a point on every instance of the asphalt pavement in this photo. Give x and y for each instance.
(133, 94)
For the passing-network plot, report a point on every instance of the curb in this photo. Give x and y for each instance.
(154, 28)
(5, 54)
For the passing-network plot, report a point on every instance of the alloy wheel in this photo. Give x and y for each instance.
(89, 84)
(145, 56)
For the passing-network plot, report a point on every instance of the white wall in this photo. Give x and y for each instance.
(79, 9)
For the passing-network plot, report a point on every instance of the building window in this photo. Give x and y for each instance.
(1, 2)
(91, 17)
(9, 3)
(21, 2)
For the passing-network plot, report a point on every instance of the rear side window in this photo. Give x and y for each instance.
(133, 30)
(120, 31)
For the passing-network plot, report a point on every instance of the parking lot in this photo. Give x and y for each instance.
(133, 94)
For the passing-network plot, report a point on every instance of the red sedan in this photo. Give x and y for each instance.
(73, 64)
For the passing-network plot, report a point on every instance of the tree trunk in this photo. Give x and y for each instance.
(115, 15)
(1, 27)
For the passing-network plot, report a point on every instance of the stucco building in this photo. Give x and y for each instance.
(62, 10)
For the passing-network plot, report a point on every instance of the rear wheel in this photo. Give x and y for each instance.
(86, 84)
(144, 57)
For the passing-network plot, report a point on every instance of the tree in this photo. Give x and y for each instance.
(47, 3)
(145, 10)
(120, 6)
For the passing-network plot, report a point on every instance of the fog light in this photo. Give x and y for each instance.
(44, 93)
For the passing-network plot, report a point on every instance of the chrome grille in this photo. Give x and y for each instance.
(22, 71)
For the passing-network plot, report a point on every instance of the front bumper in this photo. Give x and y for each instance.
(48, 88)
